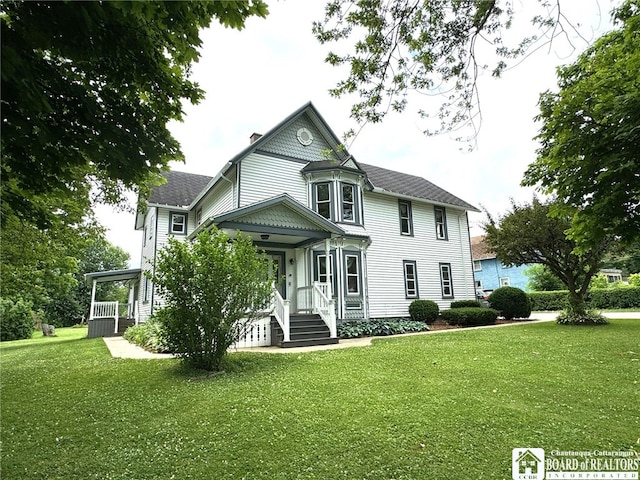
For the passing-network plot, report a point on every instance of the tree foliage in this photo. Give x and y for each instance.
(394, 47)
(542, 280)
(527, 234)
(213, 289)
(46, 267)
(590, 137)
(87, 91)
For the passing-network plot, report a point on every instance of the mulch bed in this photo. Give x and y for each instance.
(441, 325)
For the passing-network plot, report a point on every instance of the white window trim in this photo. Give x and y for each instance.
(172, 223)
(408, 218)
(416, 291)
(356, 275)
(446, 284)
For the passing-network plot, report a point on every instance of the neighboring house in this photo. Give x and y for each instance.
(490, 273)
(370, 240)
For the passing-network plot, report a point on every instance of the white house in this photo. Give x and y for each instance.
(371, 240)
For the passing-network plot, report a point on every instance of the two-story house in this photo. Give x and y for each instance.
(370, 239)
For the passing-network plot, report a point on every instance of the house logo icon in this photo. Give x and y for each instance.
(527, 464)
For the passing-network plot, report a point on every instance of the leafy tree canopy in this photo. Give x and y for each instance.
(590, 137)
(394, 47)
(87, 90)
(544, 243)
(542, 280)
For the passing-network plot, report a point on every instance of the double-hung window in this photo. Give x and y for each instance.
(406, 220)
(352, 269)
(348, 202)
(441, 223)
(322, 195)
(410, 279)
(178, 223)
(446, 283)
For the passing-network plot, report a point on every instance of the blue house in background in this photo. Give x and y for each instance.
(490, 273)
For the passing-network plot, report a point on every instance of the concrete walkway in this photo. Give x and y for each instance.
(121, 348)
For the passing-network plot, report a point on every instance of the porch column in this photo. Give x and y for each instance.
(93, 299)
(327, 252)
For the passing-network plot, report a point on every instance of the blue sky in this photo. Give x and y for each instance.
(256, 77)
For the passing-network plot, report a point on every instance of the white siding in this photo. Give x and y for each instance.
(389, 248)
(263, 177)
(148, 255)
(218, 200)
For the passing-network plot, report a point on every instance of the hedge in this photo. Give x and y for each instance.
(424, 311)
(470, 317)
(603, 298)
(465, 304)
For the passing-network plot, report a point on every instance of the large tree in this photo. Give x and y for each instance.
(590, 137)
(434, 47)
(87, 91)
(528, 234)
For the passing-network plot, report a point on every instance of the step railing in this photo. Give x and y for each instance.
(325, 307)
(282, 311)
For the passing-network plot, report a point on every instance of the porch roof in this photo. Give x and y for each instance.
(280, 219)
(114, 275)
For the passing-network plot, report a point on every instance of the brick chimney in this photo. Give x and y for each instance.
(254, 137)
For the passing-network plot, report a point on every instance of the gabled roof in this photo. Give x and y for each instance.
(411, 186)
(479, 249)
(179, 190)
(312, 218)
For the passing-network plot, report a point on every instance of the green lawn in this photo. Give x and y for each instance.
(446, 406)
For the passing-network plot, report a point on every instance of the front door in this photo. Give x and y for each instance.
(278, 269)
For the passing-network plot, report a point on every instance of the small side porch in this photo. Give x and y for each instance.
(112, 318)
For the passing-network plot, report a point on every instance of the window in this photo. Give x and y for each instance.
(146, 290)
(406, 222)
(348, 202)
(504, 281)
(144, 236)
(441, 223)
(477, 266)
(150, 232)
(324, 271)
(353, 274)
(199, 216)
(323, 199)
(178, 223)
(446, 283)
(410, 279)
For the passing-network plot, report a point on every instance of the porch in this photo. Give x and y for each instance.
(111, 318)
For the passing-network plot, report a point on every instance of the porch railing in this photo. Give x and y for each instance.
(325, 307)
(115, 310)
(281, 310)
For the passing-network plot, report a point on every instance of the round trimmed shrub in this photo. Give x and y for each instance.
(424, 311)
(511, 302)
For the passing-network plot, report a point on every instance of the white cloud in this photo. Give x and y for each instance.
(256, 77)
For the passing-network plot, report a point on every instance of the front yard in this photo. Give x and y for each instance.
(451, 405)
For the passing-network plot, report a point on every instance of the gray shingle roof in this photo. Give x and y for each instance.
(411, 186)
(180, 189)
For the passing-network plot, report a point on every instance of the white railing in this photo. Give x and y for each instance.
(257, 335)
(104, 310)
(305, 299)
(281, 310)
(325, 307)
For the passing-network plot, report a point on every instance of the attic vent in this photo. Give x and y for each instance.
(304, 136)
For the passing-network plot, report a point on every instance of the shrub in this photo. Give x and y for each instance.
(622, 297)
(213, 288)
(424, 311)
(551, 301)
(150, 335)
(589, 318)
(511, 302)
(16, 320)
(634, 279)
(470, 316)
(466, 304)
(378, 327)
